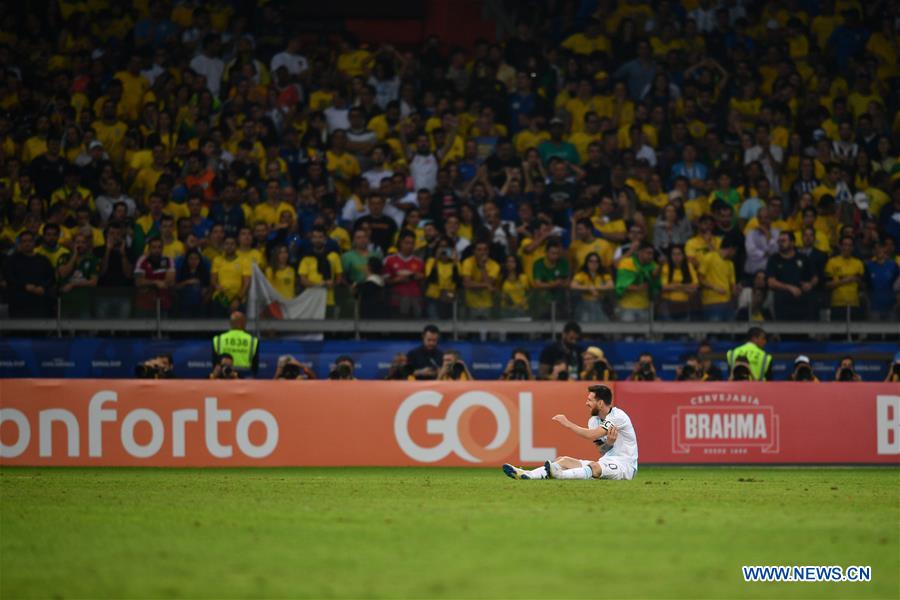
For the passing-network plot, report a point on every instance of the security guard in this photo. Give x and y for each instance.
(760, 361)
(243, 347)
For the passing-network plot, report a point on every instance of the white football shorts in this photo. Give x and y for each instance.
(612, 468)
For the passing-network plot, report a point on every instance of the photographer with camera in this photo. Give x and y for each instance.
(400, 369)
(710, 370)
(453, 368)
(343, 368)
(596, 367)
(740, 371)
(846, 370)
(291, 368)
(224, 369)
(519, 367)
(692, 370)
(568, 350)
(158, 367)
(644, 369)
(893, 374)
(803, 370)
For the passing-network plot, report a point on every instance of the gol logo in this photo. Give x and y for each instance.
(456, 428)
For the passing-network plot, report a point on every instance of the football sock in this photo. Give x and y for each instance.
(577, 473)
(539, 473)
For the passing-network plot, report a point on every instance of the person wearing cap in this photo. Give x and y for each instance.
(556, 146)
(803, 370)
(596, 367)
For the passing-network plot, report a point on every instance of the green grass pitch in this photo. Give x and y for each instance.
(441, 533)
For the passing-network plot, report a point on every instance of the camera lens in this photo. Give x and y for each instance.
(457, 370)
(845, 374)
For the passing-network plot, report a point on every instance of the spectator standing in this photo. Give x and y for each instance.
(370, 293)
(321, 267)
(761, 243)
(845, 273)
(154, 276)
(116, 275)
(209, 65)
(551, 279)
(680, 283)
(514, 289)
(792, 280)
(442, 280)
(882, 275)
(481, 277)
(381, 227)
(354, 261)
(404, 272)
(78, 273)
(30, 281)
(594, 282)
(229, 279)
(718, 283)
(817, 260)
(192, 285)
(637, 283)
(556, 146)
(638, 72)
(50, 248)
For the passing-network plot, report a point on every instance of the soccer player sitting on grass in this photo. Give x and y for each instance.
(609, 428)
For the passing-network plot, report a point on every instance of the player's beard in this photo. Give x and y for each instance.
(595, 412)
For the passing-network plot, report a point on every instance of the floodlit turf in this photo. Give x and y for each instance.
(448, 533)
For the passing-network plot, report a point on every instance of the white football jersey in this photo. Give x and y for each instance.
(626, 447)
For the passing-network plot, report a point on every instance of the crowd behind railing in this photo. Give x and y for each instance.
(700, 161)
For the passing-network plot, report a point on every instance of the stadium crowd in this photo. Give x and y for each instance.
(709, 160)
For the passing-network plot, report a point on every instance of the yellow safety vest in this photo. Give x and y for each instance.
(239, 344)
(758, 358)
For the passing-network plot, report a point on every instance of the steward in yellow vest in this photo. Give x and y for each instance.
(759, 360)
(243, 347)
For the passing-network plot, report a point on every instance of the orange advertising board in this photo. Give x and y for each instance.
(344, 423)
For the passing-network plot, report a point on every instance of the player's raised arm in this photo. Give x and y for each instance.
(588, 434)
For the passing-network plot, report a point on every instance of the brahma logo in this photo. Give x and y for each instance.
(725, 423)
(456, 428)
